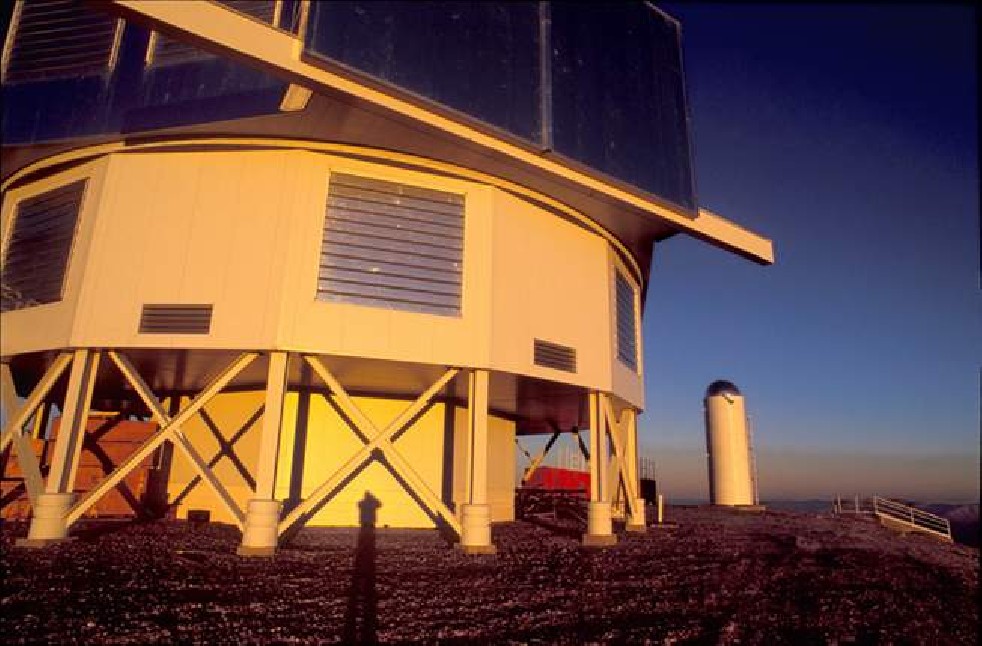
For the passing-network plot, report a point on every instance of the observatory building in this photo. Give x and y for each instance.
(729, 454)
(264, 258)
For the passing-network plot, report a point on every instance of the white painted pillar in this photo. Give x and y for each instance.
(259, 536)
(599, 531)
(637, 521)
(475, 535)
(50, 523)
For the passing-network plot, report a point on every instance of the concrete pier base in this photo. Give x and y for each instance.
(50, 523)
(475, 524)
(599, 531)
(637, 523)
(260, 536)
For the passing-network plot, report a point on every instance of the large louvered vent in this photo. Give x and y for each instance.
(169, 51)
(52, 39)
(35, 258)
(553, 355)
(391, 245)
(627, 346)
(175, 319)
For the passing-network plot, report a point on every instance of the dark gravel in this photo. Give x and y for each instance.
(719, 577)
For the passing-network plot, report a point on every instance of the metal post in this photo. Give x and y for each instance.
(476, 514)
(599, 526)
(637, 521)
(50, 522)
(259, 537)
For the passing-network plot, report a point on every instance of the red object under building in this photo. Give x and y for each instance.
(559, 479)
(117, 438)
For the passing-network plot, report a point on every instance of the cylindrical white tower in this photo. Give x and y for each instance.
(728, 446)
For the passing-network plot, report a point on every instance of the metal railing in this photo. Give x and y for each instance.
(912, 517)
(854, 505)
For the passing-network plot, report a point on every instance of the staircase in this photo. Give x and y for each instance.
(906, 518)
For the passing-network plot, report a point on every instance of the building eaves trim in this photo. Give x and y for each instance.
(211, 25)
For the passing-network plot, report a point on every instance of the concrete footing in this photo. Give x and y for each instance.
(475, 536)
(599, 526)
(635, 528)
(50, 522)
(260, 535)
(637, 522)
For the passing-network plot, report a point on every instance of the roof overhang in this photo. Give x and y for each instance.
(636, 218)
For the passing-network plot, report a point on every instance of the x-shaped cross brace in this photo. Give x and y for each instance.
(170, 429)
(13, 433)
(377, 440)
(614, 431)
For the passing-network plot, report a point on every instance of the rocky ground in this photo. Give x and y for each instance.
(718, 577)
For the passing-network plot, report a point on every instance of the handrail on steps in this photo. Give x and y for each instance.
(912, 516)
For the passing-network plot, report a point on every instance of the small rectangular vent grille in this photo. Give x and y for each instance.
(58, 39)
(175, 319)
(35, 259)
(553, 355)
(391, 245)
(627, 347)
(168, 51)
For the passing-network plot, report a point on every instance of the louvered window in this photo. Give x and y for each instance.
(35, 258)
(391, 245)
(627, 345)
(51, 39)
(165, 50)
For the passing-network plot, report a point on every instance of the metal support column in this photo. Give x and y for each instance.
(50, 522)
(476, 514)
(259, 538)
(636, 522)
(599, 531)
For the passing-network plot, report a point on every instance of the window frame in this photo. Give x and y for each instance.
(9, 228)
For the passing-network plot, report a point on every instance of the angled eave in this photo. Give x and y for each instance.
(217, 28)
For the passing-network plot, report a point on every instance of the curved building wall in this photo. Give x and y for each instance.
(242, 232)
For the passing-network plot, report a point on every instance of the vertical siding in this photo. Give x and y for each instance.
(549, 283)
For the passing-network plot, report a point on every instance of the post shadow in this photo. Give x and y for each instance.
(362, 595)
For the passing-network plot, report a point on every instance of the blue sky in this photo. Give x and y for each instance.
(848, 135)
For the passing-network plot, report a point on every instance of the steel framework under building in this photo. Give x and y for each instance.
(312, 252)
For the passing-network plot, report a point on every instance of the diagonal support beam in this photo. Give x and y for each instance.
(537, 460)
(524, 450)
(29, 467)
(74, 419)
(168, 431)
(376, 439)
(22, 448)
(163, 419)
(403, 469)
(584, 451)
(15, 422)
(615, 429)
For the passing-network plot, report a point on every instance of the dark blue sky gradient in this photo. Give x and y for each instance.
(849, 136)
